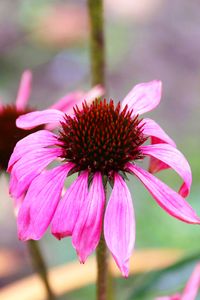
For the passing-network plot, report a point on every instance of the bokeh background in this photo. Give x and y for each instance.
(145, 40)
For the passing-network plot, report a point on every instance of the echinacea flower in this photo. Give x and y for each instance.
(101, 142)
(191, 289)
(10, 134)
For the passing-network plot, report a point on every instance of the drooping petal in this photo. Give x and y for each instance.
(119, 224)
(40, 203)
(193, 285)
(36, 118)
(30, 166)
(174, 159)
(69, 207)
(157, 135)
(24, 90)
(152, 129)
(143, 97)
(168, 199)
(155, 165)
(36, 140)
(87, 231)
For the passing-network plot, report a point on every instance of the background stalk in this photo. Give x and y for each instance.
(40, 266)
(97, 44)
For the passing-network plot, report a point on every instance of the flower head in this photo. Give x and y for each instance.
(191, 289)
(101, 138)
(10, 134)
(101, 142)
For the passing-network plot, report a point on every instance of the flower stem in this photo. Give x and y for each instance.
(97, 45)
(104, 276)
(97, 58)
(102, 270)
(40, 266)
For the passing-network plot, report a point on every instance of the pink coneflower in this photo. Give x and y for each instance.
(191, 289)
(10, 134)
(101, 142)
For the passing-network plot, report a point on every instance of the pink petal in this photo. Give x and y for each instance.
(36, 118)
(157, 134)
(24, 90)
(173, 297)
(191, 289)
(96, 92)
(40, 203)
(143, 97)
(174, 159)
(119, 224)
(156, 165)
(1, 106)
(30, 166)
(34, 141)
(17, 203)
(69, 207)
(168, 199)
(88, 228)
(67, 103)
(152, 129)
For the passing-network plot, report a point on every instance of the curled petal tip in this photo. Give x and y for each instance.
(57, 235)
(124, 271)
(81, 258)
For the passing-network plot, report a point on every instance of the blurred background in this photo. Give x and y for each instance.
(145, 40)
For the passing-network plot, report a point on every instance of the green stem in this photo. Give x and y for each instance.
(40, 266)
(102, 270)
(97, 57)
(97, 45)
(104, 276)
